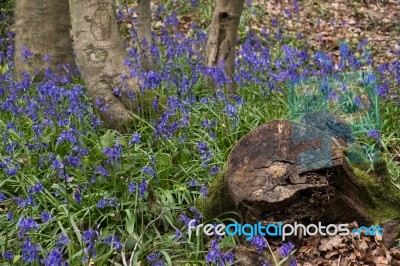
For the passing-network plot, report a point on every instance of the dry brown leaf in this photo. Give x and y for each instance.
(330, 243)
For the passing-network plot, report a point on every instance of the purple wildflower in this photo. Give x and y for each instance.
(259, 243)
(142, 188)
(131, 187)
(193, 183)
(286, 249)
(25, 225)
(113, 241)
(148, 170)
(155, 259)
(30, 251)
(204, 191)
(373, 133)
(25, 53)
(46, 216)
(8, 255)
(135, 139)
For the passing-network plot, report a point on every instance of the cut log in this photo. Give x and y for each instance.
(291, 172)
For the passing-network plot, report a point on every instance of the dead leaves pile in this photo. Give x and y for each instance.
(347, 251)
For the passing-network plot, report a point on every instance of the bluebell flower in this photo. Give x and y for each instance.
(117, 92)
(62, 241)
(383, 89)
(135, 139)
(178, 235)
(30, 201)
(25, 53)
(155, 259)
(46, 216)
(104, 202)
(214, 255)
(155, 104)
(101, 170)
(67, 136)
(25, 225)
(183, 218)
(21, 202)
(296, 7)
(259, 243)
(193, 183)
(89, 251)
(77, 196)
(37, 188)
(101, 204)
(373, 133)
(202, 146)
(131, 187)
(57, 165)
(205, 154)
(230, 110)
(54, 258)
(286, 249)
(148, 170)
(90, 236)
(204, 191)
(10, 215)
(11, 171)
(193, 3)
(151, 80)
(204, 100)
(274, 22)
(8, 255)
(215, 170)
(114, 153)
(30, 251)
(47, 58)
(142, 188)
(196, 214)
(113, 241)
(74, 161)
(287, 13)
(2, 197)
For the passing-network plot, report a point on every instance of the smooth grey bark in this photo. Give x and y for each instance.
(221, 43)
(43, 27)
(144, 33)
(100, 57)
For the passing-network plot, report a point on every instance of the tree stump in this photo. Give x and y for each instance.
(291, 172)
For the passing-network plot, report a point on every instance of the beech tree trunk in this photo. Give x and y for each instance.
(290, 172)
(100, 57)
(221, 43)
(42, 27)
(144, 33)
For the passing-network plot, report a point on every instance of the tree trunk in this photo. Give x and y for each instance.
(289, 172)
(144, 33)
(100, 57)
(42, 27)
(221, 43)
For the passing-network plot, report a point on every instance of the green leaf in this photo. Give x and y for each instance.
(16, 258)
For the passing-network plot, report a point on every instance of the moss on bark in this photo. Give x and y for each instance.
(218, 203)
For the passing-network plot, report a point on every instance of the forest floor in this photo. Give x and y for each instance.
(324, 24)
